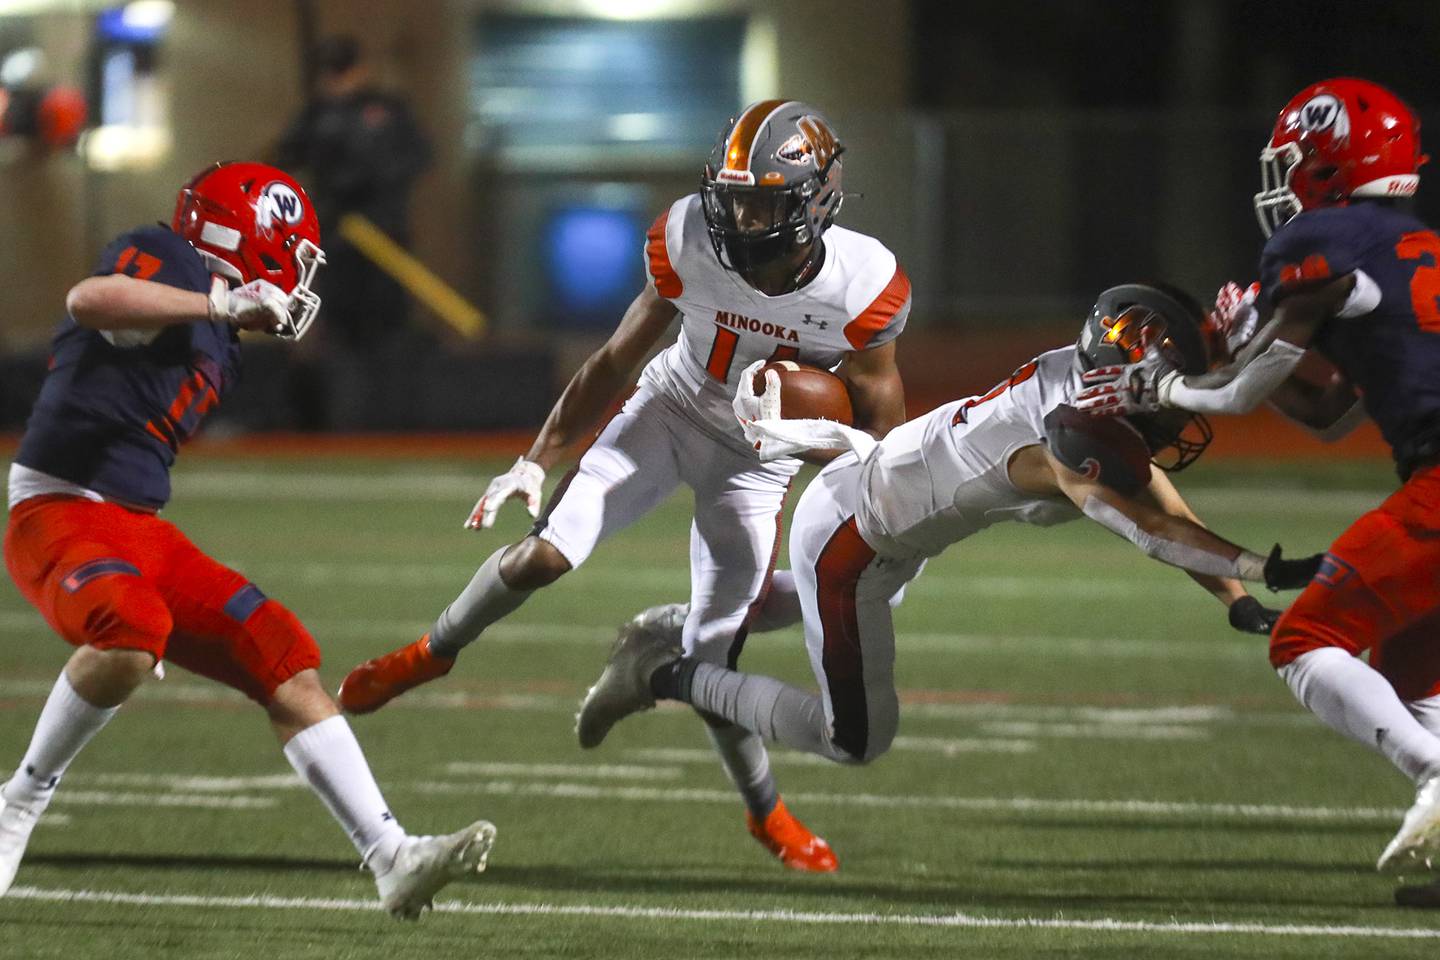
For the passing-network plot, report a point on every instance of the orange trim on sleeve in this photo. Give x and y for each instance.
(881, 311)
(667, 281)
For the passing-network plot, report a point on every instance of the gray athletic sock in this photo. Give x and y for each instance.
(747, 764)
(764, 705)
(483, 601)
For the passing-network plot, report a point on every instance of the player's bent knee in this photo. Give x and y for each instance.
(108, 674)
(531, 564)
(301, 702)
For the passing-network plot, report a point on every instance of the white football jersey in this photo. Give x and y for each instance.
(944, 476)
(860, 299)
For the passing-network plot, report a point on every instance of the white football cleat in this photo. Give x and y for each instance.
(1417, 845)
(668, 620)
(16, 822)
(624, 688)
(423, 865)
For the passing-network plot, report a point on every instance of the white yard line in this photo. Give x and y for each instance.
(789, 917)
(956, 746)
(100, 798)
(612, 771)
(1035, 805)
(202, 786)
(1092, 731)
(1008, 728)
(927, 642)
(196, 782)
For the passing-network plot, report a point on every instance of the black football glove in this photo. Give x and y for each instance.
(1281, 574)
(1249, 615)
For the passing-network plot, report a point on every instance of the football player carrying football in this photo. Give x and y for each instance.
(1349, 273)
(147, 349)
(755, 270)
(866, 525)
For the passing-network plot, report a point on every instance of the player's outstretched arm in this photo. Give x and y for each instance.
(120, 302)
(1174, 540)
(1238, 387)
(1265, 362)
(1245, 612)
(594, 387)
(602, 376)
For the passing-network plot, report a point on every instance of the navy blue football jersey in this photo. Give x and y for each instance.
(112, 418)
(1392, 354)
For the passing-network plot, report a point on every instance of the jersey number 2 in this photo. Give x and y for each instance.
(1425, 284)
(722, 353)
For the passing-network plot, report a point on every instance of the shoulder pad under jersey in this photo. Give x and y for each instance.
(1314, 248)
(158, 254)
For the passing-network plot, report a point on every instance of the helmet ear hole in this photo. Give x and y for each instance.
(269, 262)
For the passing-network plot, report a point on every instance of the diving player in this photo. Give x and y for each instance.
(148, 347)
(866, 525)
(1349, 273)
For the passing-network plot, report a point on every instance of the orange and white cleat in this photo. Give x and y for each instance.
(376, 682)
(792, 842)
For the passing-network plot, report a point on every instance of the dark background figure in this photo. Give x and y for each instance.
(359, 151)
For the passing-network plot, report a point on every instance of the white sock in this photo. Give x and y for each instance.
(485, 599)
(329, 759)
(66, 724)
(1356, 700)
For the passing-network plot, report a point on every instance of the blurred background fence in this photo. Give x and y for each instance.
(1018, 159)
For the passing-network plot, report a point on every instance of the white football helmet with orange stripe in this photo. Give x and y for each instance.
(772, 186)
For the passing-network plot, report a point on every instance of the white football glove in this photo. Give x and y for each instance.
(258, 305)
(523, 479)
(747, 405)
(776, 439)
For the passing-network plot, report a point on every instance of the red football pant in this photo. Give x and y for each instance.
(1377, 591)
(108, 577)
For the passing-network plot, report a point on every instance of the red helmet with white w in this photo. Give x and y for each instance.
(1337, 139)
(252, 221)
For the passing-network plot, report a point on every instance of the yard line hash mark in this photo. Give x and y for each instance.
(620, 912)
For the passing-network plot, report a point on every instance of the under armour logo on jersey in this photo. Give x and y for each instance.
(1324, 112)
(1380, 734)
(811, 321)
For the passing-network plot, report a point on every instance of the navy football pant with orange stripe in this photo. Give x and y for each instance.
(108, 577)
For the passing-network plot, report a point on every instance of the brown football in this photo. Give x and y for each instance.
(808, 393)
